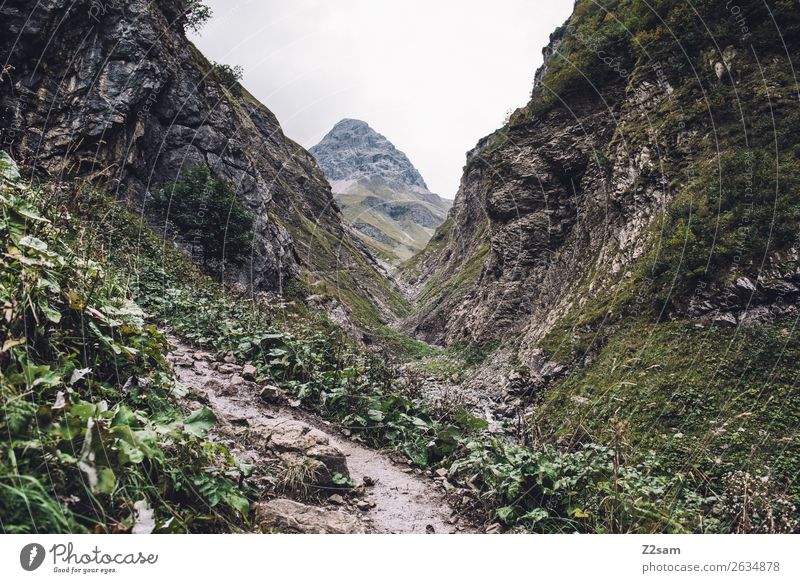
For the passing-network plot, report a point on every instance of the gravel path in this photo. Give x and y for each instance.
(404, 501)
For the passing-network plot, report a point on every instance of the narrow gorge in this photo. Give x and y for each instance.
(208, 328)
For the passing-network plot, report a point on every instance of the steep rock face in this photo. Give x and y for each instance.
(381, 193)
(563, 200)
(517, 212)
(623, 254)
(114, 92)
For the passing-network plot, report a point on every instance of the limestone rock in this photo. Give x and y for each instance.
(295, 441)
(294, 517)
(272, 395)
(249, 372)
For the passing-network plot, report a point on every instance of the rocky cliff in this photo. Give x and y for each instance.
(573, 189)
(643, 201)
(114, 92)
(382, 195)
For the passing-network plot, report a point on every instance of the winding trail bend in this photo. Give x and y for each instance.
(404, 501)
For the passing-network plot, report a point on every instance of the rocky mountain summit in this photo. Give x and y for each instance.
(353, 151)
(382, 195)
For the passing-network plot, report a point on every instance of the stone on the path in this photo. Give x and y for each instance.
(217, 387)
(226, 368)
(292, 516)
(229, 358)
(363, 505)
(495, 528)
(336, 499)
(272, 394)
(181, 360)
(294, 439)
(249, 372)
(334, 461)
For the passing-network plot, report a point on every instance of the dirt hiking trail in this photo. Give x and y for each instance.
(389, 497)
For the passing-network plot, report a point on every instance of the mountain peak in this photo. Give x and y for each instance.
(351, 123)
(352, 151)
(380, 193)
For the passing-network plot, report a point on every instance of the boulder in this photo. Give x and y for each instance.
(272, 394)
(249, 372)
(290, 516)
(291, 440)
(227, 368)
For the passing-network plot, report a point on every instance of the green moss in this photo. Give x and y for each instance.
(709, 400)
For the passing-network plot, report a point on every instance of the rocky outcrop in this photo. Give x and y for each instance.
(298, 444)
(380, 192)
(294, 517)
(563, 204)
(114, 92)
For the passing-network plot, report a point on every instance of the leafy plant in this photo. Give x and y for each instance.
(197, 14)
(89, 425)
(230, 77)
(208, 216)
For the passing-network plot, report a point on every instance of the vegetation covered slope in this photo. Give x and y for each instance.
(92, 436)
(630, 237)
(93, 431)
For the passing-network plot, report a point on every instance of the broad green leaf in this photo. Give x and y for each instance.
(106, 481)
(199, 422)
(33, 243)
(534, 516)
(239, 503)
(53, 315)
(8, 168)
(506, 514)
(129, 450)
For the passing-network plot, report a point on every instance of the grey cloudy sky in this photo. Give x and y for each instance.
(433, 76)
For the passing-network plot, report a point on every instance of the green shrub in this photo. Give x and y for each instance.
(208, 216)
(586, 490)
(197, 14)
(230, 77)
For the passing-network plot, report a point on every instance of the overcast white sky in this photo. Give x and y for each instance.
(433, 76)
